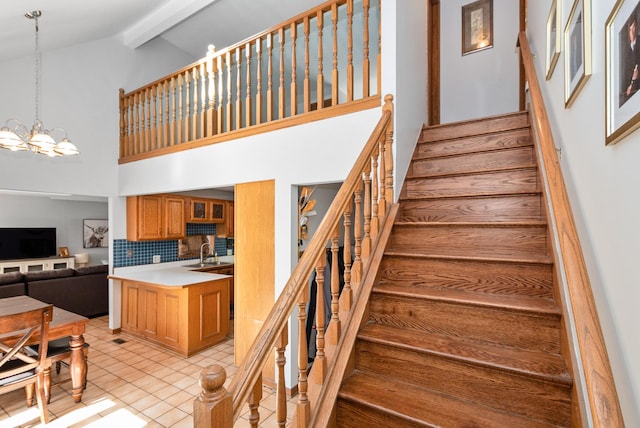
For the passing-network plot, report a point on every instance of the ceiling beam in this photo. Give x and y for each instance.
(161, 19)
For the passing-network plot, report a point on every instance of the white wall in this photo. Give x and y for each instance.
(602, 183)
(482, 83)
(65, 215)
(79, 93)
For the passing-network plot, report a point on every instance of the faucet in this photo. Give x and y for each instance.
(202, 251)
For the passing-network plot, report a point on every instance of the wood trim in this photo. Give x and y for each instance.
(433, 43)
(603, 405)
(287, 122)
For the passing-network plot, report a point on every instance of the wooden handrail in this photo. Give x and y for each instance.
(603, 404)
(254, 82)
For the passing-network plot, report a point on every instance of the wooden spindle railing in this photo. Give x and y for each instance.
(221, 95)
(601, 397)
(344, 218)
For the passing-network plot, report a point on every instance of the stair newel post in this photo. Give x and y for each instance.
(388, 150)
(365, 59)
(254, 402)
(213, 407)
(366, 240)
(320, 76)
(335, 82)
(306, 84)
(281, 391)
(346, 298)
(320, 362)
(303, 408)
(374, 194)
(248, 105)
(356, 271)
(293, 32)
(334, 324)
(211, 90)
(220, 112)
(349, 50)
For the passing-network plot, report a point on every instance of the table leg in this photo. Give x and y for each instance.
(77, 367)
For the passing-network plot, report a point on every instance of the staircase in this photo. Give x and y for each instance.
(463, 328)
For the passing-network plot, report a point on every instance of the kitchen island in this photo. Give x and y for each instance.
(176, 307)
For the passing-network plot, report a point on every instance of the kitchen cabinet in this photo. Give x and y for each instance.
(155, 217)
(203, 210)
(217, 210)
(225, 269)
(226, 229)
(186, 319)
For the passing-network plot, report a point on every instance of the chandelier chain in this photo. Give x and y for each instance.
(37, 72)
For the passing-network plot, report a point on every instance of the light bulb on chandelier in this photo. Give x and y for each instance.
(15, 136)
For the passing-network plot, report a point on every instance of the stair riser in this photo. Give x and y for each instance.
(354, 415)
(477, 127)
(502, 159)
(510, 328)
(533, 280)
(499, 389)
(481, 184)
(489, 209)
(470, 240)
(518, 138)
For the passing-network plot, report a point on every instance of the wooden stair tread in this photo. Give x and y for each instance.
(473, 127)
(423, 407)
(503, 224)
(549, 367)
(463, 297)
(478, 171)
(404, 198)
(537, 260)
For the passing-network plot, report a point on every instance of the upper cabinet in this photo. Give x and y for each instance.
(225, 229)
(206, 210)
(217, 211)
(155, 217)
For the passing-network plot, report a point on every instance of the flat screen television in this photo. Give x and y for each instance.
(27, 242)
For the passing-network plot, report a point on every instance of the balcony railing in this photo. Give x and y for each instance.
(321, 63)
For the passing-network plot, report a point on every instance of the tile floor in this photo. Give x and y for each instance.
(133, 384)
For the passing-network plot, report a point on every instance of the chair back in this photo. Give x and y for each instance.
(18, 365)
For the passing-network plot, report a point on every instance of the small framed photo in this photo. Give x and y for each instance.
(95, 233)
(63, 251)
(553, 38)
(577, 50)
(622, 74)
(477, 26)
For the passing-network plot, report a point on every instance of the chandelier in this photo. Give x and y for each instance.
(15, 136)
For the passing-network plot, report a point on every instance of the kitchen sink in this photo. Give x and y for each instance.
(207, 264)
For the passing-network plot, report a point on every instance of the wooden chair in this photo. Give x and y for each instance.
(58, 351)
(18, 368)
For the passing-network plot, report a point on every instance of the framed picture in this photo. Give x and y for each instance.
(622, 75)
(63, 251)
(477, 26)
(553, 38)
(577, 50)
(95, 233)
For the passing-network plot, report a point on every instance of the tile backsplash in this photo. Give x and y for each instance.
(133, 253)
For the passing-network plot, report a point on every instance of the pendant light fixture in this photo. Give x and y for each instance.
(15, 136)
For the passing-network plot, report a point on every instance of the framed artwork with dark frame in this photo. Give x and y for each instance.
(553, 38)
(577, 50)
(477, 26)
(622, 70)
(95, 233)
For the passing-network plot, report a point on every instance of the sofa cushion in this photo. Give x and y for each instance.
(11, 278)
(48, 274)
(90, 270)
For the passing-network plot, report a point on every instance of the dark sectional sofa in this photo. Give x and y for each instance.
(83, 290)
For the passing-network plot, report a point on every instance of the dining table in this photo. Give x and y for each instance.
(63, 324)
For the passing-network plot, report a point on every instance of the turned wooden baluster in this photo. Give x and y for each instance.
(229, 113)
(334, 324)
(335, 83)
(160, 112)
(293, 29)
(388, 141)
(320, 76)
(174, 111)
(259, 81)
(281, 100)
(220, 112)
(238, 88)
(346, 296)
(269, 77)
(320, 362)
(303, 408)
(247, 104)
(281, 391)
(365, 41)
(211, 126)
(307, 82)
(146, 120)
(202, 117)
(374, 195)
(349, 50)
(179, 123)
(195, 102)
(129, 132)
(366, 240)
(213, 407)
(254, 403)
(165, 124)
(382, 205)
(154, 118)
(356, 271)
(136, 124)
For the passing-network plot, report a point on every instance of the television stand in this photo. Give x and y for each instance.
(35, 265)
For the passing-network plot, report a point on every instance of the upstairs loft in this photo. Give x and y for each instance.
(322, 63)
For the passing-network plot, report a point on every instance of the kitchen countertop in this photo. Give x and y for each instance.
(174, 274)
